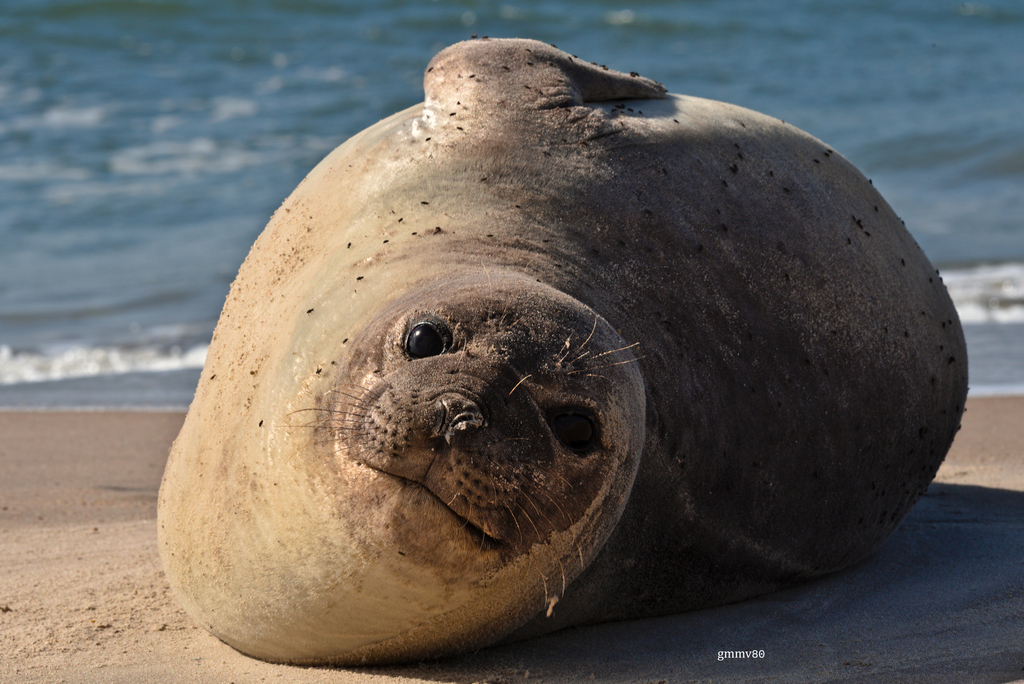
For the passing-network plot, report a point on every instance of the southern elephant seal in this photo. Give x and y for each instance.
(552, 348)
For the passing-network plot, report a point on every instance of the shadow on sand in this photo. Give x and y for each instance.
(941, 601)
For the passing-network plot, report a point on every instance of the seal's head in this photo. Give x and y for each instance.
(498, 409)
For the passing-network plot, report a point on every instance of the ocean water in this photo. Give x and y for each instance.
(145, 143)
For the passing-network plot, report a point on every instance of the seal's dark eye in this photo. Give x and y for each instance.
(425, 339)
(575, 431)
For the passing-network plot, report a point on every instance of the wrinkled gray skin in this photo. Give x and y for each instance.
(772, 369)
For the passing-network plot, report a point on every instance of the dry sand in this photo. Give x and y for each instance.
(83, 597)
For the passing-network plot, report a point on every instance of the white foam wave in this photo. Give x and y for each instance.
(988, 293)
(225, 108)
(620, 18)
(334, 74)
(197, 156)
(77, 362)
(73, 117)
(61, 118)
(164, 123)
(69, 193)
(270, 86)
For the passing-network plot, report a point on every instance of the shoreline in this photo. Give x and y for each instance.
(84, 599)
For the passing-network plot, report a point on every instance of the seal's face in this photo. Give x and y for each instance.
(500, 414)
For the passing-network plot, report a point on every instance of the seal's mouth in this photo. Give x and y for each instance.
(484, 540)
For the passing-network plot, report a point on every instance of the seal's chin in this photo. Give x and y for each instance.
(484, 540)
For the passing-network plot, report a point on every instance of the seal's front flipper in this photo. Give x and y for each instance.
(515, 76)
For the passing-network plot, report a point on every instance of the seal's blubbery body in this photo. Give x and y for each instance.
(553, 348)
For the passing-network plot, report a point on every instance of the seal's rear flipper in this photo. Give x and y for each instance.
(510, 76)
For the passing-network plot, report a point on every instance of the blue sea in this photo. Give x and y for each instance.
(145, 143)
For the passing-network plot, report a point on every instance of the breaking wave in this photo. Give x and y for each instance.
(82, 361)
(987, 293)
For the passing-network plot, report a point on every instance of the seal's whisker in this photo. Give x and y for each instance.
(519, 383)
(320, 437)
(333, 414)
(539, 510)
(612, 351)
(343, 419)
(566, 348)
(323, 426)
(466, 523)
(297, 426)
(561, 568)
(332, 410)
(346, 406)
(514, 323)
(607, 365)
(314, 421)
(347, 425)
(484, 536)
(353, 427)
(535, 528)
(315, 409)
(579, 348)
(501, 316)
(330, 414)
(581, 356)
(560, 509)
(361, 400)
(512, 515)
(504, 312)
(592, 331)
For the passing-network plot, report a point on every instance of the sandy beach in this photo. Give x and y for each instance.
(83, 597)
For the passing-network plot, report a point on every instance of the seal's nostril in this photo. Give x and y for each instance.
(466, 420)
(458, 413)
